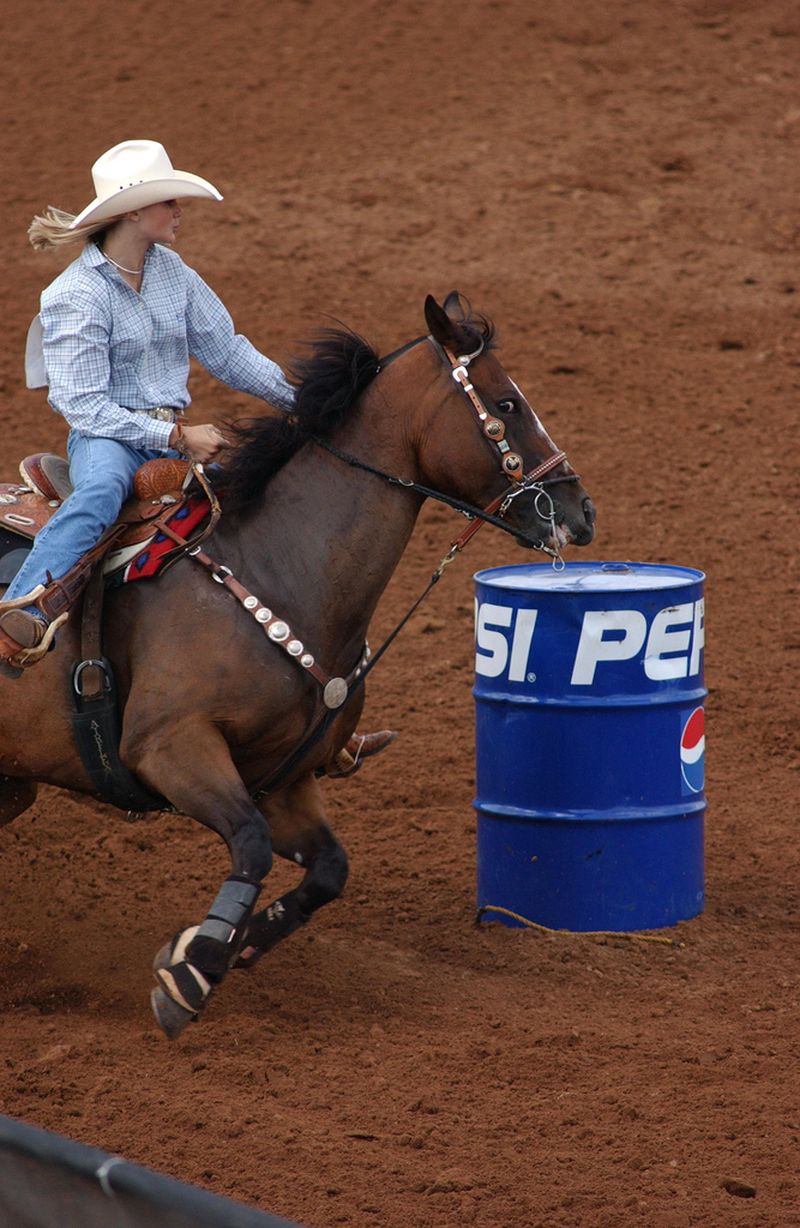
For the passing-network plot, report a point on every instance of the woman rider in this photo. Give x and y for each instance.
(118, 328)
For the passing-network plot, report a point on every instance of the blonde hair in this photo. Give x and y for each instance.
(53, 229)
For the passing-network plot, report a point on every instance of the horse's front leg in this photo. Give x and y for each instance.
(301, 835)
(209, 789)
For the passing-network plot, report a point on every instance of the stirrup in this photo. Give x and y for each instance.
(358, 748)
(14, 655)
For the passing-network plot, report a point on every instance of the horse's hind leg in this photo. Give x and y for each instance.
(301, 835)
(15, 797)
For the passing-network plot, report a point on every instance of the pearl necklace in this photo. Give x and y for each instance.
(121, 267)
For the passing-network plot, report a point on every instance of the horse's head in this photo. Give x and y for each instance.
(479, 440)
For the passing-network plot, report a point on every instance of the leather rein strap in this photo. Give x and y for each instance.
(536, 479)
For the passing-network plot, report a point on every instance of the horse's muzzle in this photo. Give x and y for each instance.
(583, 533)
(577, 530)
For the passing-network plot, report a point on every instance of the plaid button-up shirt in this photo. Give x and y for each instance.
(109, 351)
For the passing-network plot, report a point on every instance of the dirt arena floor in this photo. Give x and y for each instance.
(616, 184)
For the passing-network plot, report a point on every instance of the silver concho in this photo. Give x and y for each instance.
(294, 648)
(278, 632)
(250, 602)
(306, 660)
(335, 693)
(263, 615)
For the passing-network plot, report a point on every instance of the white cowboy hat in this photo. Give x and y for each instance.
(134, 174)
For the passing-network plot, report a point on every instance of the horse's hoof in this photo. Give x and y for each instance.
(170, 1016)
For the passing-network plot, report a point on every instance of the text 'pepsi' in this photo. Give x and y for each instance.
(669, 646)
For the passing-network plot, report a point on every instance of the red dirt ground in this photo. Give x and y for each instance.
(616, 184)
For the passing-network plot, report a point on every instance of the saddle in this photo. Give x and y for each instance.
(161, 494)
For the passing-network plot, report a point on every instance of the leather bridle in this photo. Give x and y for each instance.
(511, 464)
(493, 428)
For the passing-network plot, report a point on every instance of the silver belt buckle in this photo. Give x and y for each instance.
(163, 413)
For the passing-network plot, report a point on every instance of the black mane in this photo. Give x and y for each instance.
(328, 382)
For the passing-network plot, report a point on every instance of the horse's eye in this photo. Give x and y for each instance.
(507, 406)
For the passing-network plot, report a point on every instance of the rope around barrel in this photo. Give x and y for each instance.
(545, 929)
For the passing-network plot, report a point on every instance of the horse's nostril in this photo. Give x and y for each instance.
(589, 511)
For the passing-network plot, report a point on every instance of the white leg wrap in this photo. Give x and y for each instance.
(181, 943)
(168, 984)
(177, 960)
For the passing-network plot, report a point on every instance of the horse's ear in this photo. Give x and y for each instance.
(439, 322)
(454, 306)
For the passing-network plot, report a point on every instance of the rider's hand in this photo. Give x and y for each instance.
(199, 443)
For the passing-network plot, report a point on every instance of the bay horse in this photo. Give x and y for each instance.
(212, 707)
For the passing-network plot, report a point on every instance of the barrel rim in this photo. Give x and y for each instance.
(492, 576)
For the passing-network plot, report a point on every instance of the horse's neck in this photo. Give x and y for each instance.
(326, 539)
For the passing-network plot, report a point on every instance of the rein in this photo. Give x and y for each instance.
(511, 464)
(485, 516)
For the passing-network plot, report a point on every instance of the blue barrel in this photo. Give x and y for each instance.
(590, 744)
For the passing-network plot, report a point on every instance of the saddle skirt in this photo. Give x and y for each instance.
(141, 551)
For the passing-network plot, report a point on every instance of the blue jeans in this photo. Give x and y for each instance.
(102, 474)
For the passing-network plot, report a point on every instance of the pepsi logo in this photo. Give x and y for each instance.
(693, 747)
